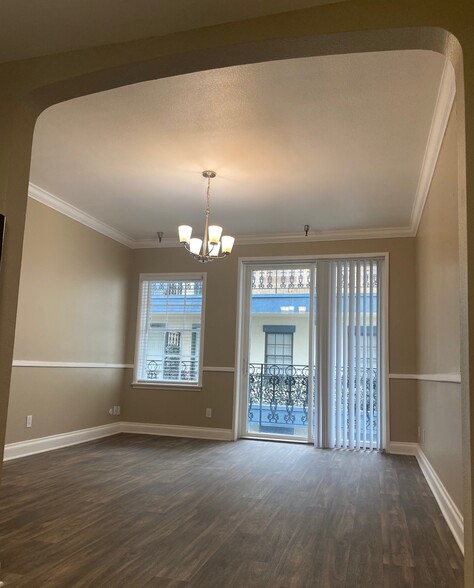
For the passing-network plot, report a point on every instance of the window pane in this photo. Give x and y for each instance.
(279, 348)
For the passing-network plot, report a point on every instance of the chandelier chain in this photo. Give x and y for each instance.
(208, 208)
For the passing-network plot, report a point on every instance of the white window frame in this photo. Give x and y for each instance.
(164, 278)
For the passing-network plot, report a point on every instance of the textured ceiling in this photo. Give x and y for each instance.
(32, 28)
(334, 142)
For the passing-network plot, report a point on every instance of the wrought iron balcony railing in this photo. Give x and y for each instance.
(172, 369)
(278, 398)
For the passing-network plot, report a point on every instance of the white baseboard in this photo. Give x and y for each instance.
(178, 431)
(450, 511)
(30, 447)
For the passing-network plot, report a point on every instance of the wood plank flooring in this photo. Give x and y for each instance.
(142, 511)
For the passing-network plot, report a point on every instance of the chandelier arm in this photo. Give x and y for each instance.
(204, 258)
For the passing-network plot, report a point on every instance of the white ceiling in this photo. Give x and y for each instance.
(335, 142)
(29, 28)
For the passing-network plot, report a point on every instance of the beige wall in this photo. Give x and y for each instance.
(73, 291)
(61, 400)
(438, 337)
(168, 407)
(72, 308)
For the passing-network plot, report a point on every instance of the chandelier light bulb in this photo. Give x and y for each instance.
(195, 245)
(185, 232)
(227, 244)
(215, 233)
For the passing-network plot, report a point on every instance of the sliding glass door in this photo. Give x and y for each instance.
(312, 352)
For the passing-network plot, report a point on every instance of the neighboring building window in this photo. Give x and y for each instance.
(279, 344)
(170, 329)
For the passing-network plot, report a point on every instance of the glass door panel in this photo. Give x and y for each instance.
(278, 403)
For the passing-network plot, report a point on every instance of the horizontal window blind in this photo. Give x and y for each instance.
(169, 330)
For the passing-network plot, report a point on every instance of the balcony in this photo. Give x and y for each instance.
(172, 369)
(278, 401)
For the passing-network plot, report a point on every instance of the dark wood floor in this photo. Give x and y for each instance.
(141, 511)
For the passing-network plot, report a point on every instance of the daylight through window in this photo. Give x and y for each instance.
(170, 329)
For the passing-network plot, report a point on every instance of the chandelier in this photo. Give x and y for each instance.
(211, 246)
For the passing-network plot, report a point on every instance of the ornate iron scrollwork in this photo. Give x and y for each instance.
(278, 395)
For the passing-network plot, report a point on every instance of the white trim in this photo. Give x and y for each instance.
(385, 408)
(33, 446)
(165, 386)
(67, 364)
(81, 364)
(177, 431)
(52, 201)
(446, 504)
(439, 123)
(453, 378)
(139, 327)
(78, 215)
(295, 259)
(52, 442)
(450, 511)
(333, 235)
(241, 362)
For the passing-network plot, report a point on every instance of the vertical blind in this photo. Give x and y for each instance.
(354, 350)
(169, 330)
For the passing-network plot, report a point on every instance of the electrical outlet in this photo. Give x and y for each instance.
(29, 421)
(111, 411)
(115, 410)
(208, 413)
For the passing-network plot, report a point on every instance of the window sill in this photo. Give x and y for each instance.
(166, 386)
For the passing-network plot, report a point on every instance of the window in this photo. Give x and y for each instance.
(279, 344)
(169, 330)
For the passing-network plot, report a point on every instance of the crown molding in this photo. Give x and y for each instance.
(71, 211)
(76, 214)
(439, 124)
(339, 235)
